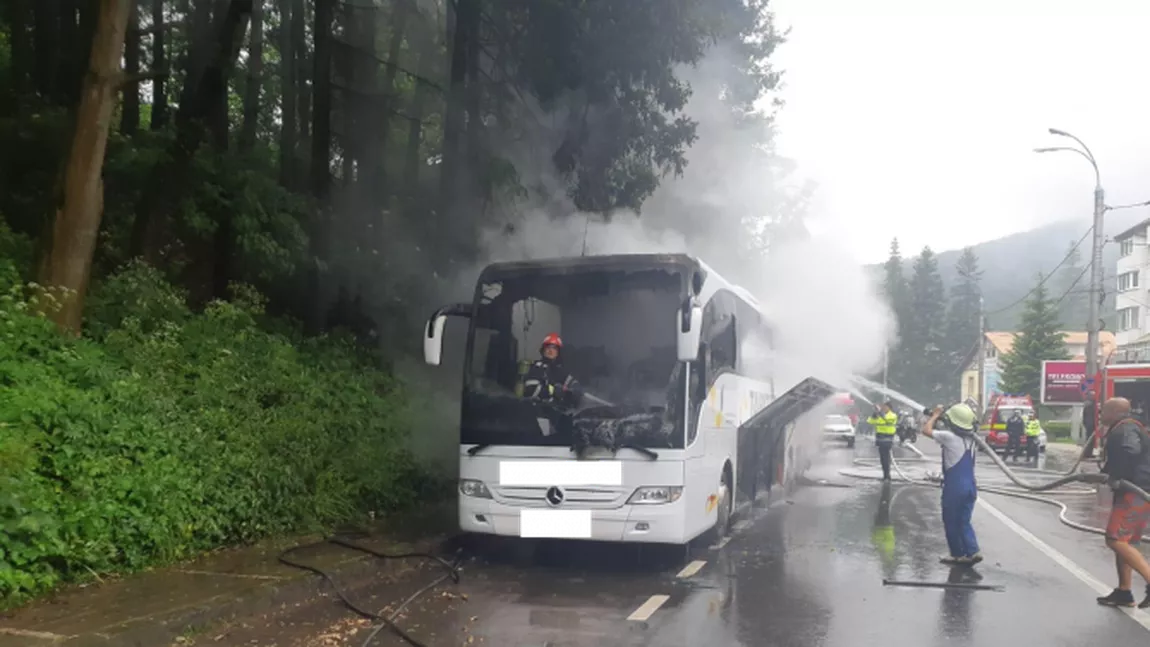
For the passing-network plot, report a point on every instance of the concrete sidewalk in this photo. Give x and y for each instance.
(162, 606)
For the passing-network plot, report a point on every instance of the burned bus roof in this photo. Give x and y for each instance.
(790, 406)
(588, 262)
(714, 282)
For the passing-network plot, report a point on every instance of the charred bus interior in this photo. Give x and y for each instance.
(619, 343)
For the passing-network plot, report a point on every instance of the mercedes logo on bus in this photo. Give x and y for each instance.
(554, 496)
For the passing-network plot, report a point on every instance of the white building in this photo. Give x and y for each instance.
(1132, 324)
(1000, 343)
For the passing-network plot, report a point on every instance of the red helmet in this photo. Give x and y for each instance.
(552, 340)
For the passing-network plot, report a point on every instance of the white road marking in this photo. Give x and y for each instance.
(722, 542)
(692, 568)
(649, 607)
(1139, 616)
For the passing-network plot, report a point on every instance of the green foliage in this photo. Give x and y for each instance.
(168, 432)
(1038, 339)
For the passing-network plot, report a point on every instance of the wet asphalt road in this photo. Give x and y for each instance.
(807, 572)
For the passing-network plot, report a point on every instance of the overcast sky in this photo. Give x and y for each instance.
(918, 118)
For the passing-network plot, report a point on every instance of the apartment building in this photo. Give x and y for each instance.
(1132, 296)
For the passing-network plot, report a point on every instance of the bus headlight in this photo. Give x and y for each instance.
(471, 487)
(656, 494)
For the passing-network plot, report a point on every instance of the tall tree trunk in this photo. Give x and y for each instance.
(210, 66)
(320, 157)
(23, 56)
(67, 72)
(321, 117)
(466, 21)
(255, 74)
(46, 37)
(395, 47)
(361, 102)
(77, 221)
(130, 112)
(474, 98)
(288, 128)
(456, 185)
(159, 65)
(218, 122)
(412, 158)
(303, 91)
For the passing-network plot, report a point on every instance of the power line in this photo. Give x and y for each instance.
(1071, 288)
(1043, 280)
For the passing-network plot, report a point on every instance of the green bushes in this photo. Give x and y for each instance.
(164, 432)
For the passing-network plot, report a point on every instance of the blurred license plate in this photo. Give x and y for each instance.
(555, 524)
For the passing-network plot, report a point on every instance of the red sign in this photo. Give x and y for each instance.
(1062, 382)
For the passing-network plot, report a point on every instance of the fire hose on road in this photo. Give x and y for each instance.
(1025, 489)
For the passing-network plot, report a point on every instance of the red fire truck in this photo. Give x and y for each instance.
(1126, 374)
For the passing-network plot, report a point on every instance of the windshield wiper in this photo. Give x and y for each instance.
(649, 453)
(478, 448)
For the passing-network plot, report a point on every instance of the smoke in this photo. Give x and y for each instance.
(734, 207)
(830, 320)
(536, 236)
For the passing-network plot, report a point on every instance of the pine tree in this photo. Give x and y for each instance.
(1039, 338)
(923, 339)
(965, 307)
(894, 282)
(896, 291)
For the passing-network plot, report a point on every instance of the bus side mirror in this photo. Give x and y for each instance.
(690, 330)
(433, 339)
(433, 331)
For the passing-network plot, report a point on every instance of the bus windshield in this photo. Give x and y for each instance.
(618, 346)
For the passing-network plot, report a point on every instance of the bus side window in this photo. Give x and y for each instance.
(697, 392)
(719, 336)
(722, 348)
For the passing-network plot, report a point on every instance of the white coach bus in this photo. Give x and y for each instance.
(671, 435)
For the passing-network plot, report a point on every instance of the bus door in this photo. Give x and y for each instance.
(761, 457)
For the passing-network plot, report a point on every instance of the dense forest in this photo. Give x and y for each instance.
(222, 221)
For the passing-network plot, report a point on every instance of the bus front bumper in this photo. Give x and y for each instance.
(653, 523)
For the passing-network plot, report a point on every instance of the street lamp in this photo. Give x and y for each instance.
(1096, 252)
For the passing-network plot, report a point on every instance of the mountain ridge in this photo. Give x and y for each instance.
(1010, 266)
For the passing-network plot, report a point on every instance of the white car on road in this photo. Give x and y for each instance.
(839, 427)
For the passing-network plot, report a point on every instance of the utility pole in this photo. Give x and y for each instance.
(1096, 274)
(1096, 270)
(981, 397)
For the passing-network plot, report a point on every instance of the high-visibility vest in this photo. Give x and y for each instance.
(1033, 428)
(884, 424)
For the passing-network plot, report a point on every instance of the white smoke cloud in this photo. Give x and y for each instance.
(830, 319)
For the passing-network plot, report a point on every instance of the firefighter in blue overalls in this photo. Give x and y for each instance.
(959, 489)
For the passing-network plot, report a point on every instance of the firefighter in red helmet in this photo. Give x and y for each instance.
(547, 379)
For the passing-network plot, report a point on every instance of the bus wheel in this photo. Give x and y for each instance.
(726, 504)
